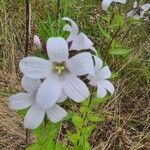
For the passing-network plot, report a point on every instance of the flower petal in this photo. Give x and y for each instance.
(81, 42)
(20, 101)
(62, 97)
(81, 64)
(30, 85)
(34, 117)
(106, 3)
(73, 29)
(75, 88)
(57, 49)
(56, 113)
(34, 67)
(145, 7)
(101, 92)
(131, 13)
(103, 73)
(97, 63)
(49, 92)
(107, 85)
(120, 1)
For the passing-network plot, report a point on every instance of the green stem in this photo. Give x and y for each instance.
(86, 113)
(126, 34)
(114, 36)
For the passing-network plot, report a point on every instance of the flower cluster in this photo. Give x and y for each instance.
(50, 82)
(138, 10)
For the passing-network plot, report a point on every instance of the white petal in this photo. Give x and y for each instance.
(106, 3)
(20, 101)
(73, 29)
(131, 13)
(97, 63)
(75, 88)
(81, 64)
(145, 7)
(107, 85)
(62, 97)
(120, 1)
(34, 67)
(30, 85)
(103, 73)
(57, 49)
(49, 92)
(56, 113)
(81, 42)
(101, 92)
(34, 117)
(136, 17)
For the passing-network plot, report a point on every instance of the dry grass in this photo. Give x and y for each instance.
(127, 126)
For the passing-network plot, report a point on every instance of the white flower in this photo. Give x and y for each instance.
(107, 3)
(60, 73)
(35, 115)
(138, 11)
(101, 74)
(76, 40)
(36, 42)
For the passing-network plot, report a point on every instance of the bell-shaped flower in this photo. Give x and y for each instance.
(34, 115)
(36, 42)
(100, 78)
(138, 10)
(107, 3)
(77, 41)
(60, 73)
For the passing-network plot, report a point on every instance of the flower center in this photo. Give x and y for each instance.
(59, 68)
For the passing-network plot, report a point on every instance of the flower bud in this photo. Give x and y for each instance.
(36, 42)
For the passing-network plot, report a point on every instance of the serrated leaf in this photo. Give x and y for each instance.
(95, 118)
(74, 138)
(77, 121)
(84, 109)
(104, 33)
(119, 20)
(120, 51)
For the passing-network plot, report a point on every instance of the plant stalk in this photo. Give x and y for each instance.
(27, 27)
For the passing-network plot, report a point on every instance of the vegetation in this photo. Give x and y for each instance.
(120, 122)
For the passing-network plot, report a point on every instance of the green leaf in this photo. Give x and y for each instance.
(74, 138)
(60, 147)
(77, 121)
(84, 109)
(119, 20)
(97, 101)
(95, 118)
(104, 33)
(120, 51)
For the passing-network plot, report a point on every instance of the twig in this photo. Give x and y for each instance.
(27, 27)
(27, 136)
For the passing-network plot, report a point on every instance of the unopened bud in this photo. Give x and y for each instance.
(36, 42)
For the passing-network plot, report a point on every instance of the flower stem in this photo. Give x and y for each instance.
(114, 36)
(86, 113)
(126, 34)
